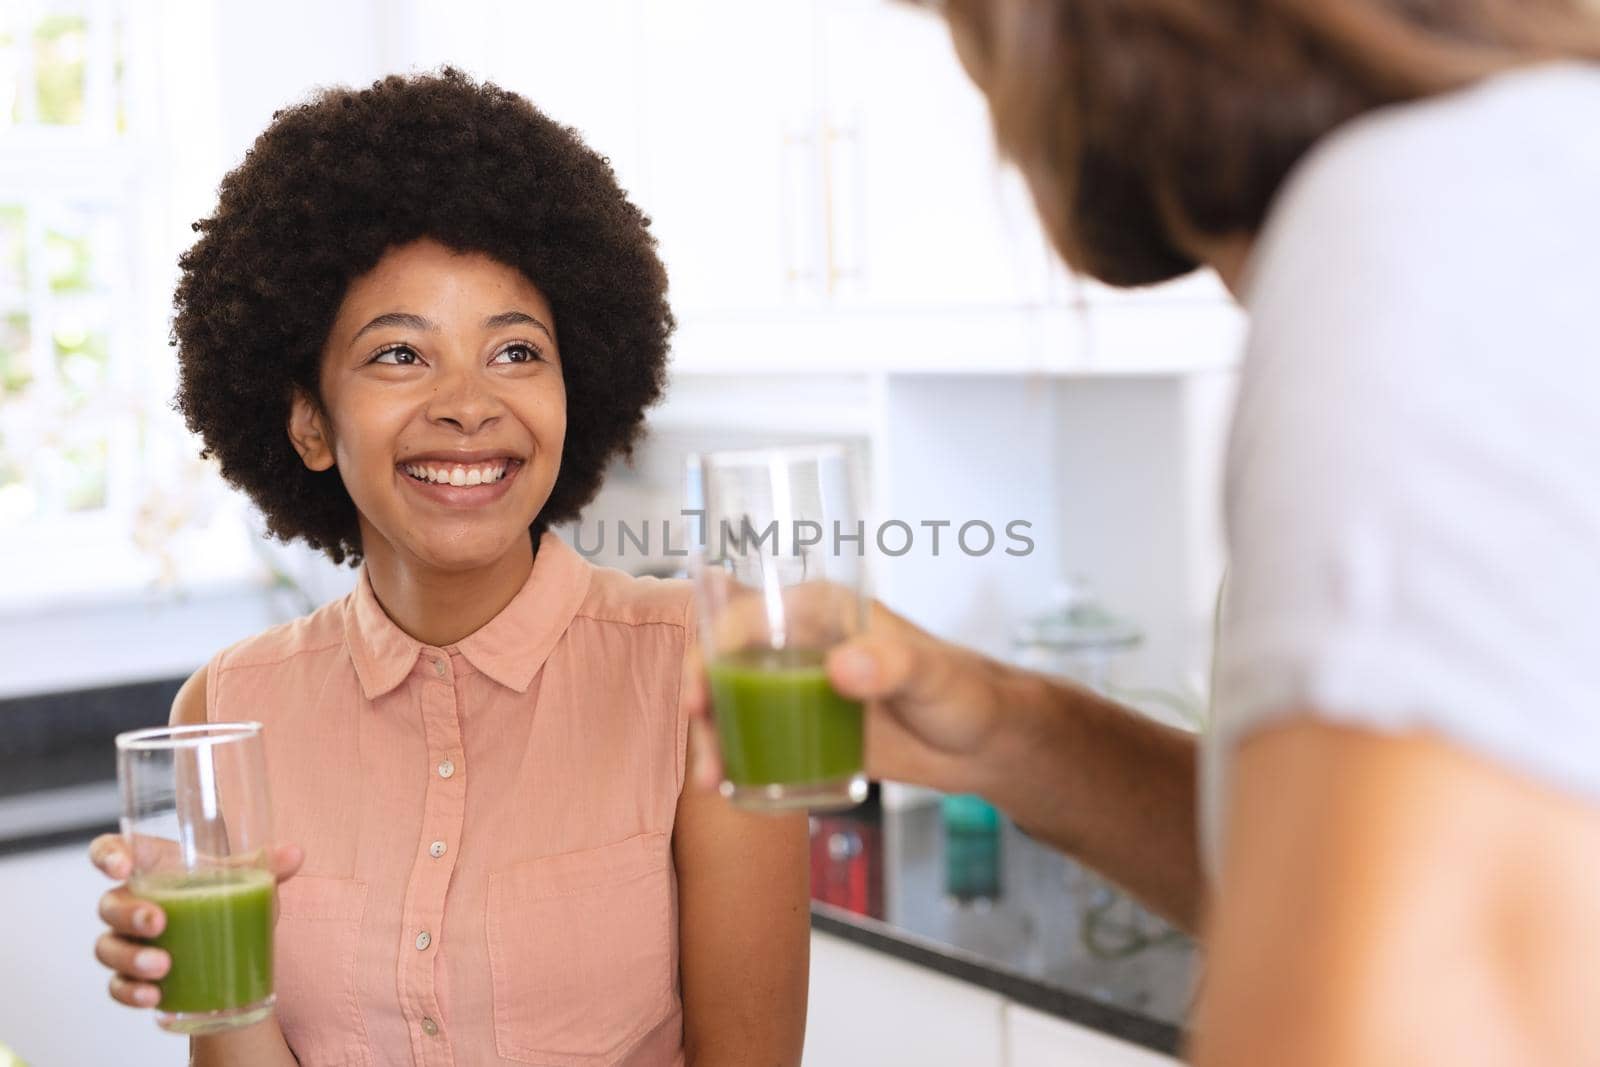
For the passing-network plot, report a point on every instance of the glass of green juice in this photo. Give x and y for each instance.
(779, 582)
(197, 820)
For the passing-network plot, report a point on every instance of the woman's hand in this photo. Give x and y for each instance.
(137, 967)
(932, 707)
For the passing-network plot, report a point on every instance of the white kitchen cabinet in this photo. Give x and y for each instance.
(825, 154)
(728, 126)
(1034, 1039)
(870, 1010)
(920, 209)
(53, 1003)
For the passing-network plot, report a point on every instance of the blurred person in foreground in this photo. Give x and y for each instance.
(1389, 835)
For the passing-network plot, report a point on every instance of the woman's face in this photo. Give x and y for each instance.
(443, 407)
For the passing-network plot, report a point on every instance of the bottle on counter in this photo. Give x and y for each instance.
(971, 849)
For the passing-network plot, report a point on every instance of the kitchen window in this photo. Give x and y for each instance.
(101, 496)
(69, 447)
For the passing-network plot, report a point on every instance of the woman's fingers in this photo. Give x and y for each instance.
(705, 755)
(132, 959)
(109, 852)
(134, 994)
(694, 697)
(286, 861)
(138, 966)
(130, 916)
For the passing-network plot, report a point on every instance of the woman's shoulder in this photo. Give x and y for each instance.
(617, 597)
(320, 631)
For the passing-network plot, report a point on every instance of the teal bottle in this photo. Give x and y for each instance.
(971, 848)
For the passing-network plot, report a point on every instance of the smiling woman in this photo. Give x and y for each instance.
(336, 183)
(421, 321)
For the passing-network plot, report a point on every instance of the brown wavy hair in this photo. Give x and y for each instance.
(1130, 118)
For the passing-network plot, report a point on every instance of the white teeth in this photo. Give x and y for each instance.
(461, 475)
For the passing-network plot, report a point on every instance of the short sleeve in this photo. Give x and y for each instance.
(1413, 485)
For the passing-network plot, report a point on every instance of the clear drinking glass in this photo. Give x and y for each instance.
(196, 817)
(779, 577)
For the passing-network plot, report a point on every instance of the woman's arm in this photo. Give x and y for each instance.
(1395, 900)
(261, 1045)
(744, 920)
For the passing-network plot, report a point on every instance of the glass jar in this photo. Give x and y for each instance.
(1078, 638)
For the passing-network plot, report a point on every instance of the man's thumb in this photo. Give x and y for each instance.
(872, 667)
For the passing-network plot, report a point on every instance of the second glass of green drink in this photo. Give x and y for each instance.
(196, 817)
(779, 580)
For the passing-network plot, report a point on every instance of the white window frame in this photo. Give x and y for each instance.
(168, 530)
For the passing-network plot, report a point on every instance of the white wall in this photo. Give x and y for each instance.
(970, 449)
(1139, 481)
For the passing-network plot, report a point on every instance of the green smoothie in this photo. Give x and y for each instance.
(780, 721)
(219, 932)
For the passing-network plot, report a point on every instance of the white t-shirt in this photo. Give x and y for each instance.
(1413, 479)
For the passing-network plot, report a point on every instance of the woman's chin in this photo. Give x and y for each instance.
(464, 555)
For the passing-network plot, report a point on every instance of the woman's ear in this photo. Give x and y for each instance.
(308, 432)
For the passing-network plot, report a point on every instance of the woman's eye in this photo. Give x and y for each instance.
(518, 353)
(399, 355)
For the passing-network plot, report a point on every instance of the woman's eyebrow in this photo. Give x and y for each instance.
(408, 321)
(403, 319)
(515, 318)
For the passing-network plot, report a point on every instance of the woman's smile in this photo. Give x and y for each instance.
(460, 480)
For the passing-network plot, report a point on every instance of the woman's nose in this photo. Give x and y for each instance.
(465, 403)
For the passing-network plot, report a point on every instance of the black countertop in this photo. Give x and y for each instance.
(58, 762)
(1055, 938)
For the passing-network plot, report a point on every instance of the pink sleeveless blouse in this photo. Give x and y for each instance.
(488, 827)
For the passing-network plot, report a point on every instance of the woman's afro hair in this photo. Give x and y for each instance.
(330, 186)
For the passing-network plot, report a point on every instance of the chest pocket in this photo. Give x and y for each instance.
(319, 922)
(581, 952)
